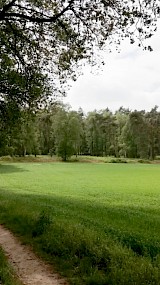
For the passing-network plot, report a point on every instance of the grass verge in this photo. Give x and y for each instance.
(7, 275)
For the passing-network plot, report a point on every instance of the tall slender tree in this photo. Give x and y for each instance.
(67, 130)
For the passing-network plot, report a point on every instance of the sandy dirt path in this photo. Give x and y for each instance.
(29, 269)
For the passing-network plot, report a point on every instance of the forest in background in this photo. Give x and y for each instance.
(46, 43)
(58, 130)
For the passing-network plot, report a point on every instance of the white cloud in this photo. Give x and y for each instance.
(130, 79)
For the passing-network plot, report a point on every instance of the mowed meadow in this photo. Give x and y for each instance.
(97, 223)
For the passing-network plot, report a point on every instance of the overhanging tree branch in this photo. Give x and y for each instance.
(6, 8)
(13, 15)
(52, 37)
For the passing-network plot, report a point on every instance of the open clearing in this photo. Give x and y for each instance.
(96, 223)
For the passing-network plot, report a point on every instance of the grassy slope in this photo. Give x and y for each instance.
(101, 223)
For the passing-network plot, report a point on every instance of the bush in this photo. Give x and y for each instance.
(144, 161)
(117, 160)
(41, 224)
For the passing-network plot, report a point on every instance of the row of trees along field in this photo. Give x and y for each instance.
(59, 130)
(43, 44)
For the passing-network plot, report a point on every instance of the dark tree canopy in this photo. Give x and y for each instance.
(68, 30)
(41, 37)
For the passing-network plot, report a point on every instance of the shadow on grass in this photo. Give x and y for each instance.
(76, 235)
(82, 214)
(9, 168)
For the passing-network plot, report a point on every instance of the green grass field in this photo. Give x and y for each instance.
(98, 223)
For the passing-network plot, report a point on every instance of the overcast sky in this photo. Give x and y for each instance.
(130, 79)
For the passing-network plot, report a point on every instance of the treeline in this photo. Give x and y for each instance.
(61, 131)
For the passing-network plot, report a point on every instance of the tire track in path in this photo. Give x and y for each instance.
(29, 269)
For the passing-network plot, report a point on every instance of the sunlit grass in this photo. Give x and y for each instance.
(106, 216)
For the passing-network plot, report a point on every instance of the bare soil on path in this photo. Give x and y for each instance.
(28, 267)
